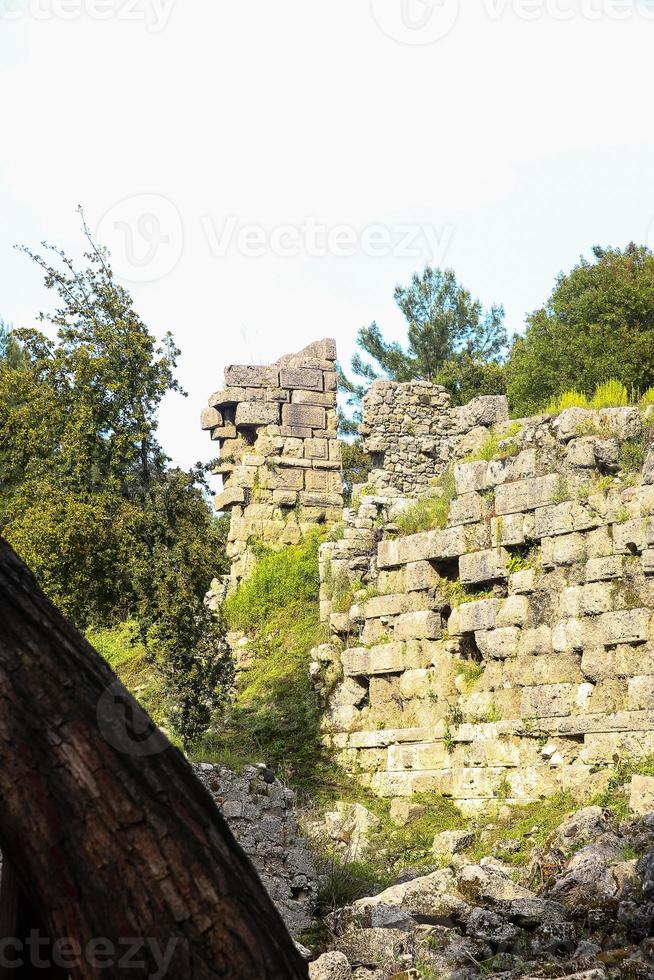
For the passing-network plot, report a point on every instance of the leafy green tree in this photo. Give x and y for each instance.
(86, 493)
(356, 466)
(598, 323)
(452, 341)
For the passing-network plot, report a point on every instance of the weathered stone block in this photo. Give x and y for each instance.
(285, 498)
(526, 494)
(466, 509)
(415, 683)
(257, 413)
(604, 569)
(571, 422)
(423, 625)
(641, 797)
(470, 617)
(310, 378)
(586, 600)
(469, 477)
(325, 398)
(229, 497)
(210, 418)
(514, 611)
(553, 520)
(388, 658)
(524, 582)
(564, 550)
(547, 700)
(252, 376)
(305, 416)
(508, 530)
(386, 605)
(629, 538)
(222, 432)
(226, 396)
(316, 449)
(628, 626)
(319, 499)
(572, 634)
(420, 575)
(581, 453)
(484, 566)
(434, 545)
(640, 693)
(498, 644)
(285, 479)
(404, 812)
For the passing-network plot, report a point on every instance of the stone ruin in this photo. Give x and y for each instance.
(507, 651)
(261, 814)
(280, 458)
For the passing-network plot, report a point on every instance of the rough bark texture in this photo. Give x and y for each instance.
(110, 834)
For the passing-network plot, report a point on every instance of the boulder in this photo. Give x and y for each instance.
(434, 895)
(331, 966)
(451, 842)
(648, 467)
(490, 927)
(588, 881)
(641, 797)
(583, 827)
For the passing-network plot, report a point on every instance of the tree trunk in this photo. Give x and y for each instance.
(114, 842)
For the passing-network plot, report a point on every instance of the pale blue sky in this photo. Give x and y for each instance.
(201, 137)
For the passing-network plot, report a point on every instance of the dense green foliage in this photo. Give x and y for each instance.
(452, 341)
(275, 716)
(597, 324)
(356, 466)
(86, 494)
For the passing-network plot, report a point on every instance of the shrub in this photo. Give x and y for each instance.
(431, 511)
(610, 394)
(496, 446)
(647, 398)
(567, 399)
(632, 456)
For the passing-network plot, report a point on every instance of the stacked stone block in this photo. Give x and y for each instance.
(411, 431)
(261, 814)
(280, 457)
(509, 654)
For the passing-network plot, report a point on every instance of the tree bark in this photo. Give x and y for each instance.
(110, 835)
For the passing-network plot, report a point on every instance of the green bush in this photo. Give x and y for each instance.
(279, 579)
(567, 399)
(648, 398)
(632, 456)
(610, 394)
(432, 511)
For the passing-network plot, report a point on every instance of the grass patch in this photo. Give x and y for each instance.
(122, 648)
(632, 456)
(616, 795)
(610, 394)
(496, 446)
(274, 717)
(430, 512)
(531, 825)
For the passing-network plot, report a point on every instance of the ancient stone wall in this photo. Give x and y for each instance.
(411, 431)
(279, 452)
(509, 653)
(260, 812)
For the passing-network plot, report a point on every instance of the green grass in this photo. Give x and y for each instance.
(275, 717)
(632, 456)
(545, 816)
(496, 446)
(430, 512)
(567, 399)
(616, 795)
(471, 672)
(122, 648)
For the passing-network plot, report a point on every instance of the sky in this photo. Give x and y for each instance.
(265, 171)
